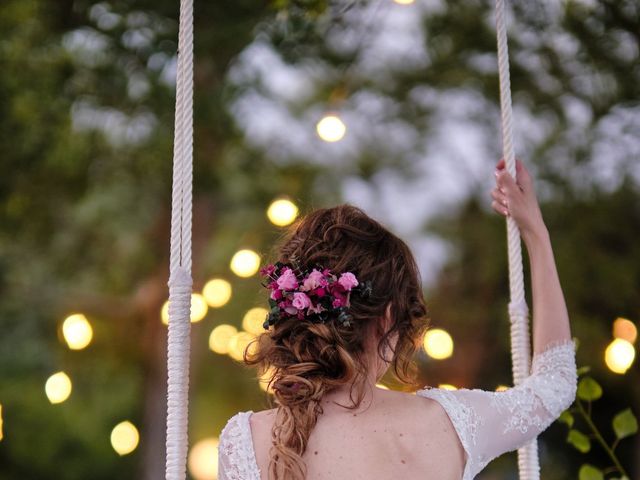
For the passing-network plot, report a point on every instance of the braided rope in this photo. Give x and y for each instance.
(528, 463)
(180, 282)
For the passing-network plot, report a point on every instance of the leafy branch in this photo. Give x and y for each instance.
(624, 425)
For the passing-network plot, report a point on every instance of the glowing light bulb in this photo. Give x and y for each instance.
(625, 329)
(253, 320)
(77, 331)
(124, 438)
(619, 356)
(238, 344)
(220, 338)
(331, 128)
(217, 292)
(58, 387)
(199, 309)
(203, 459)
(264, 380)
(282, 212)
(438, 344)
(245, 263)
(447, 386)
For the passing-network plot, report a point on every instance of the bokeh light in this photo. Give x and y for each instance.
(1, 434)
(625, 329)
(331, 128)
(253, 320)
(619, 356)
(404, 2)
(203, 459)
(263, 381)
(238, 344)
(438, 344)
(447, 386)
(220, 338)
(124, 438)
(58, 387)
(245, 263)
(382, 386)
(199, 309)
(501, 388)
(217, 292)
(282, 212)
(77, 331)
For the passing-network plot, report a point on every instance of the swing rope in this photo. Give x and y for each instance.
(528, 463)
(180, 281)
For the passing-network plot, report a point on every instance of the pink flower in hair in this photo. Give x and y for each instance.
(348, 280)
(288, 280)
(300, 301)
(314, 280)
(276, 294)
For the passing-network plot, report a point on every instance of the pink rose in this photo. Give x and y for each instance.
(288, 280)
(300, 301)
(314, 280)
(276, 294)
(348, 280)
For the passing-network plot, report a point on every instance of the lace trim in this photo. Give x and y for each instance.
(235, 450)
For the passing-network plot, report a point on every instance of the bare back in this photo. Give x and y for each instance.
(398, 435)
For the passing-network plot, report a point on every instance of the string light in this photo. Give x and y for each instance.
(203, 459)
(447, 386)
(625, 329)
(124, 438)
(217, 292)
(245, 263)
(619, 356)
(331, 128)
(58, 387)
(220, 338)
(77, 331)
(238, 344)
(282, 212)
(253, 320)
(199, 309)
(438, 344)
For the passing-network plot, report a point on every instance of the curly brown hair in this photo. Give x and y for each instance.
(306, 360)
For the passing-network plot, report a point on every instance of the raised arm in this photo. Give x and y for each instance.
(492, 423)
(517, 198)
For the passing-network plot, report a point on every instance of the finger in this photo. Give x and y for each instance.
(501, 209)
(500, 165)
(523, 177)
(499, 197)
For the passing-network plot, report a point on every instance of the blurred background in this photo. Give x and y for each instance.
(388, 105)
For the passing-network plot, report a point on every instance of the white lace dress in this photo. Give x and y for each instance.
(487, 423)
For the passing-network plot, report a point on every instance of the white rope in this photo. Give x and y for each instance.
(528, 463)
(180, 282)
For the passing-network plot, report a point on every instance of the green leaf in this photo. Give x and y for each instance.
(583, 370)
(566, 417)
(589, 389)
(589, 472)
(625, 423)
(579, 440)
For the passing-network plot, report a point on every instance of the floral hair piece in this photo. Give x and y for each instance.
(317, 295)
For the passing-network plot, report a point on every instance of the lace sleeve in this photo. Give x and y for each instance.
(492, 423)
(236, 458)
